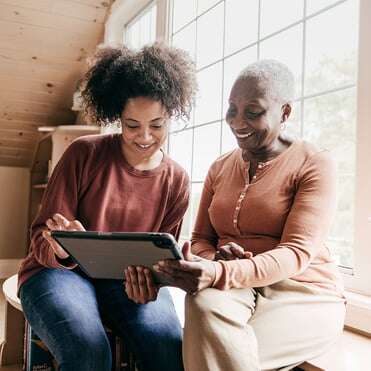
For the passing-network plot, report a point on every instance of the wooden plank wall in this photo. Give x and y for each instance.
(43, 48)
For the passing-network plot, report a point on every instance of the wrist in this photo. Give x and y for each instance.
(217, 272)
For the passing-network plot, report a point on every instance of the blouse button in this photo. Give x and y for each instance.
(254, 177)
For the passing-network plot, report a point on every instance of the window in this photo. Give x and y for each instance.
(326, 44)
(142, 30)
(224, 36)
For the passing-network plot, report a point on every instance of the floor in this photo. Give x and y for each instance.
(355, 349)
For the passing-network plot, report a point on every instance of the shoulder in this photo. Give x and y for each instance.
(176, 172)
(225, 162)
(94, 141)
(314, 161)
(312, 155)
(97, 145)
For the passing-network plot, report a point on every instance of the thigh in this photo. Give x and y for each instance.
(62, 309)
(294, 322)
(152, 330)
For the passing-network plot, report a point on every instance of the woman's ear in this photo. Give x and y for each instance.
(286, 111)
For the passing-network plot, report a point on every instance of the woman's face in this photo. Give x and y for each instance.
(255, 118)
(144, 127)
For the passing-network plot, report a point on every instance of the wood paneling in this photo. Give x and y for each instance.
(43, 50)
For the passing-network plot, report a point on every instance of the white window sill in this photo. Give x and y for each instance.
(350, 353)
(358, 314)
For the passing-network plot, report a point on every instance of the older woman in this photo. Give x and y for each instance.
(264, 292)
(115, 182)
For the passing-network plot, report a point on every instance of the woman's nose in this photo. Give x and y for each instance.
(146, 135)
(237, 123)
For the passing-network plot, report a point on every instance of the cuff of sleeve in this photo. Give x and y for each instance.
(67, 263)
(218, 273)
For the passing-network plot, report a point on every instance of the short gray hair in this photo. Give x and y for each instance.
(277, 80)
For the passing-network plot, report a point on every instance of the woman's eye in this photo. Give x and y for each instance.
(230, 112)
(253, 114)
(157, 126)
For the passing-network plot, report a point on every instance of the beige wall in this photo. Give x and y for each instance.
(14, 196)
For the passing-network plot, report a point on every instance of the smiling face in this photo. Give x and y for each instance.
(254, 117)
(144, 129)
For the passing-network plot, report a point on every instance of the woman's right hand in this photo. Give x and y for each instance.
(231, 251)
(59, 223)
(139, 285)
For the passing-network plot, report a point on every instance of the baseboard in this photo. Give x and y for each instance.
(8, 267)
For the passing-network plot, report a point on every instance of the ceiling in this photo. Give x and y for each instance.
(43, 48)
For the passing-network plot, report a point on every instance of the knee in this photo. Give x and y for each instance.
(87, 354)
(199, 308)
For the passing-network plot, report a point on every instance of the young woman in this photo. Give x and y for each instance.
(116, 182)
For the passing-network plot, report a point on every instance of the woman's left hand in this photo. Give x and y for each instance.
(192, 274)
(139, 285)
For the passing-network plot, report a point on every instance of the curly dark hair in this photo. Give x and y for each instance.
(160, 72)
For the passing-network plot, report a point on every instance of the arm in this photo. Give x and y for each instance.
(139, 283)
(305, 229)
(61, 196)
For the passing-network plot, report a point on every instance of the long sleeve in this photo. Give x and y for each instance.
(305, 229)
(173, 218)
(61, 196)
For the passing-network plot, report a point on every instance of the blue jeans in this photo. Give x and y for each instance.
(65, 309)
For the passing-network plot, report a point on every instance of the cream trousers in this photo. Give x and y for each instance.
(272, 328)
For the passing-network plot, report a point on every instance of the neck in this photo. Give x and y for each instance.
(142, 163)
(266, 153)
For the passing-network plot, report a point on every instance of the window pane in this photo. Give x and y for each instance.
(210, 36)
(180, 145)
(329, 122)
(143, 30)
(186, 39)
(205, 150)
(209, 97)
(241, 24)
(331, 51)
(184, 12)
(341, 235)
(316, 5)
(187, 225)
(293, 123)
(204, 5)
(232, 67)
(229, 141)
(276, 15)
(274, 48)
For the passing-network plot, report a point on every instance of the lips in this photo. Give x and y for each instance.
(243, 135)
(143, 147)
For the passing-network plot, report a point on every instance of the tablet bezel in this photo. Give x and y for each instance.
(159, 240)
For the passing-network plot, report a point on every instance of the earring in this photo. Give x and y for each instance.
(283, 126)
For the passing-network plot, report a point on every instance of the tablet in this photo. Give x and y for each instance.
(105, 255)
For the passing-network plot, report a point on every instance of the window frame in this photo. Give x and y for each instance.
(124, 12)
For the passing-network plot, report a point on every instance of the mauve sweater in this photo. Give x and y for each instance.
(94, 184)
(281, 218)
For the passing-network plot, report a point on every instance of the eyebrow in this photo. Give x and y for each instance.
(155, 119)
